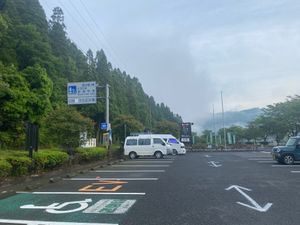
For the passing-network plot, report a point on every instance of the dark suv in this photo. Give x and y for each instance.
(289, 153)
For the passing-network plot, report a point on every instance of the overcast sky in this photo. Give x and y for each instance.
(185, 52)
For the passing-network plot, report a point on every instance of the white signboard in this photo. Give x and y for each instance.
(82, 93)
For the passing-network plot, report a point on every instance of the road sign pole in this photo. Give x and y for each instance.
(107, 106)
(107, 122)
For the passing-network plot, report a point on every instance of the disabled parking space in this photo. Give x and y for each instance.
(67, 208)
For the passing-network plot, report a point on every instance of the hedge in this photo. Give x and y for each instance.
(20, 165)
(5, 168)
(90, 154)
(49, 159)
(17, 163)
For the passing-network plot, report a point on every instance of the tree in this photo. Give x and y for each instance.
(125, 123)
(14, 98)
(167, 127)
(40, 92)
(238, 131)
(64, 127)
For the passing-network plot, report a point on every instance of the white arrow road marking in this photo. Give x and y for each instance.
(214, 164)
(254, 205)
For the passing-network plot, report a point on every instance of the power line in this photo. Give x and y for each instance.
(87, 24)
(79, 25)
(102, 33)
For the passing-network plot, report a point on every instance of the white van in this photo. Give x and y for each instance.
(145, 145)
(177, 147)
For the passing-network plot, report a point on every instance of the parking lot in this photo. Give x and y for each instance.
(209, 188)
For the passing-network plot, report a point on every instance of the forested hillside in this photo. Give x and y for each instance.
(37, 60)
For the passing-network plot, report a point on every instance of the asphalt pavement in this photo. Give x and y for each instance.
(209, 188)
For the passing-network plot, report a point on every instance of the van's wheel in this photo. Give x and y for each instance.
(175, 152)
(288, 160)
(158, 155)
(132, 155)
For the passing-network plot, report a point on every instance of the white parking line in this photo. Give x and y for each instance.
(140, 165)
(295, 171)
(145, 160)
(33, 222)
(128, 171)
(117, 179)
(261, 159)
(81, 193)
(287, 166)
(133, 162)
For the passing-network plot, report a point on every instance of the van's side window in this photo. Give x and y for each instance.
(131, 142)
(157, 141)
(174, 141)
(145, 141)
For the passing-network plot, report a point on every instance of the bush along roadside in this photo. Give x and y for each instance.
(17, 163)
(83, 155)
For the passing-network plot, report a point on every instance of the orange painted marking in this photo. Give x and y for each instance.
(101, 186)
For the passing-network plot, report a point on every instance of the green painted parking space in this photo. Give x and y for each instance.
(77, 208)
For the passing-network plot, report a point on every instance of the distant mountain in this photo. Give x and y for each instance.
(239, 118)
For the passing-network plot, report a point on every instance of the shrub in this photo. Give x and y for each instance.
(5, 168)
(90, 154)
(49, 159)
(20, 165)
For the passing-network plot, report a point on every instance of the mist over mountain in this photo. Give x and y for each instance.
(239, 118)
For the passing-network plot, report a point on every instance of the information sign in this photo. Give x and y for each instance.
(186, 133)
(103, 126)
(82, 93)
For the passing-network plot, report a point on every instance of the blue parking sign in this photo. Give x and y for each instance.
(72, 89)
(103, 126)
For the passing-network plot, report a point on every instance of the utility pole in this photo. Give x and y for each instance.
(223, 120)
(214, 127)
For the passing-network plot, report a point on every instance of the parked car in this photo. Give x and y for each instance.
(177, 147)
(289, 153)
(145, 145)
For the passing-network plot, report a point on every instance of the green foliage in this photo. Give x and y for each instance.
(64, 125)
(14, 97)
(167, 127)
(41, 89)
(90, 154)
(20, 165)
(49, 159)
(129, 123)
(5, 168)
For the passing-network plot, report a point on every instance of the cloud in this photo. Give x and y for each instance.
(254, 67)
(186, 52)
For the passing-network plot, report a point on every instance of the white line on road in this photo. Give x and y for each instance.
(260, 159)
(265, 152)
(295, 171)
(267, 161)
(32, 222)
(100, 179)
(287, 166)
(81, 193)
(148, 160)
(140, 165)
(133, 162)
(128, 171)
